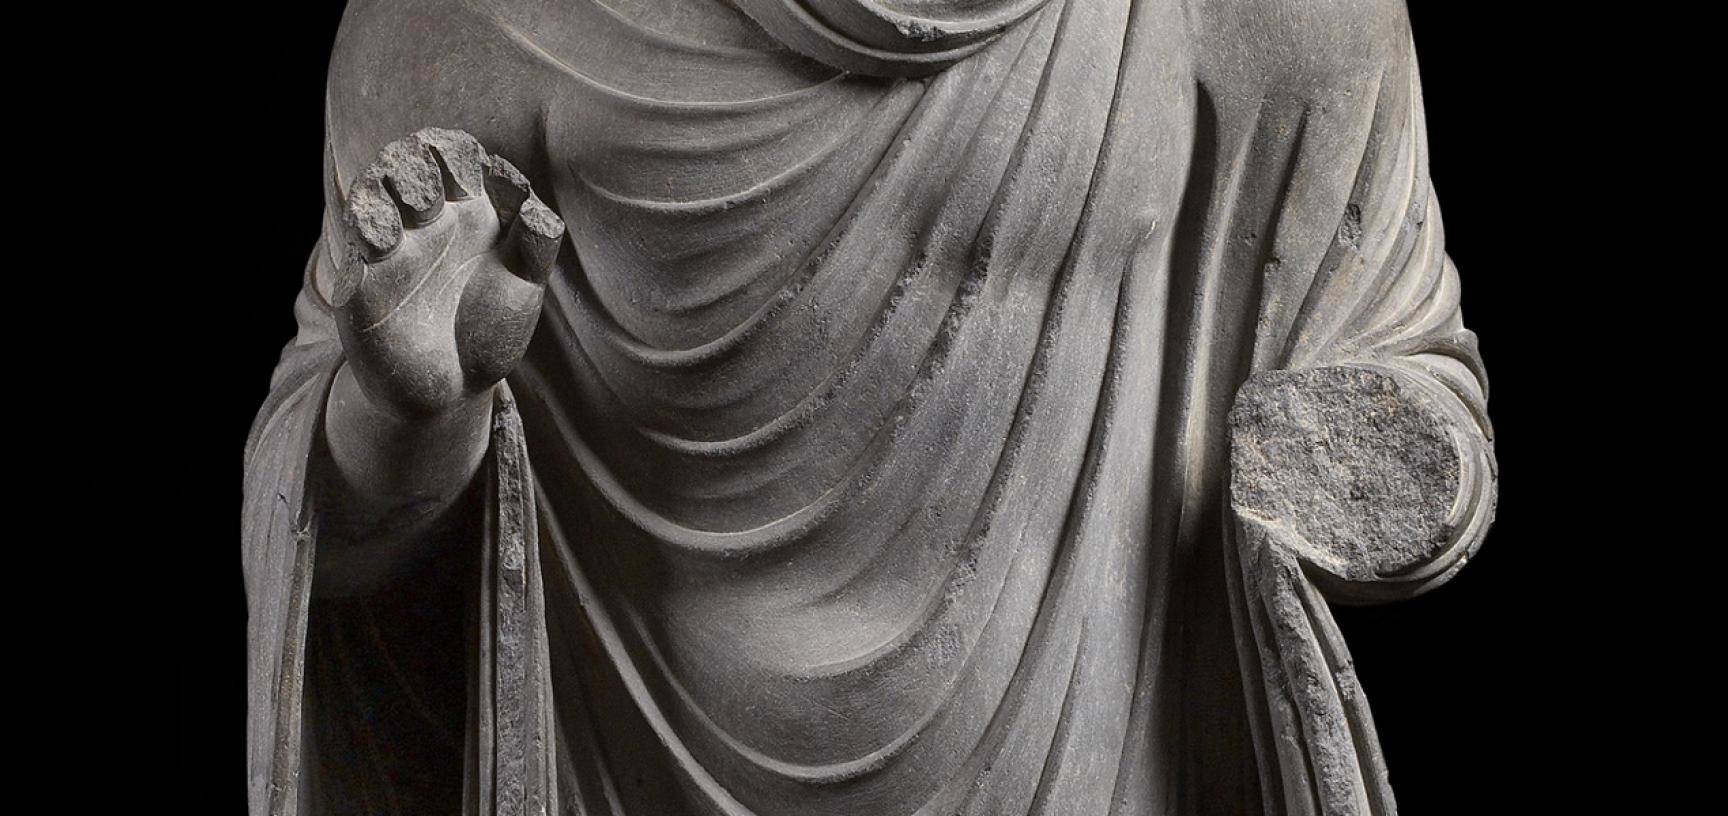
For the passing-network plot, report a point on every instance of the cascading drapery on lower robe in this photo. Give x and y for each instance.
(874, 452)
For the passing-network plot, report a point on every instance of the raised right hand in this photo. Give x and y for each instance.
(441, 256)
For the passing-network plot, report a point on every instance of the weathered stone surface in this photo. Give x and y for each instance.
(1361, 470)
(825, 407)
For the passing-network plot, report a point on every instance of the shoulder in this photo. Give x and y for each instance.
(1306, 48)
(400, 66)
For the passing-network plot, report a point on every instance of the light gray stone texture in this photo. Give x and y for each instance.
(856, 407)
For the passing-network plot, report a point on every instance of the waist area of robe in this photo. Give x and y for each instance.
(849, 502)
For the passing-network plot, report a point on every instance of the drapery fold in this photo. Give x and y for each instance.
(1375, 291)
(877, 425)
(277, 528)
(507, 743)
(888, 37)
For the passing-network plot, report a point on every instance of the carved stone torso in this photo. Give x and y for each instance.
(874, 445)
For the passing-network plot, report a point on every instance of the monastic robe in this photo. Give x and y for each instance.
(870, 457)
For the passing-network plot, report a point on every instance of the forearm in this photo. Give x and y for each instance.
(392, 482)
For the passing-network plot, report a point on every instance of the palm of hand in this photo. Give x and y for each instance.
(441, 267)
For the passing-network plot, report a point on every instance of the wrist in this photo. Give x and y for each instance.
(385, 457)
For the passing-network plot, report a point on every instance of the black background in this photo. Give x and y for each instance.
(1484, 691)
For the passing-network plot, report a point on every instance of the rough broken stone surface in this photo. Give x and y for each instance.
(823, 408)
(1359, 467)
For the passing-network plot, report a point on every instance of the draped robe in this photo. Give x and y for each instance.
(870, 457)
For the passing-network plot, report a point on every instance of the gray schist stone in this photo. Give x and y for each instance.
(856, 407)
(1359, 472)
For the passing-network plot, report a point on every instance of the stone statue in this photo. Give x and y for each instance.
(856, 407)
